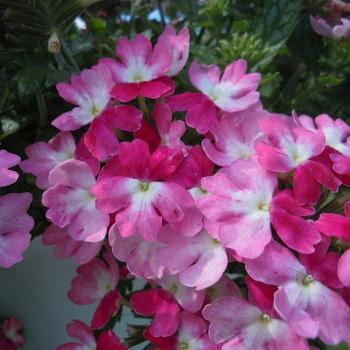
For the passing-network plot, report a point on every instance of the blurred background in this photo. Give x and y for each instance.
(43, 42)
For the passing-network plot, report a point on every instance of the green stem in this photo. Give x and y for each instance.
(142, 103)
(67, 54)
(40, 100)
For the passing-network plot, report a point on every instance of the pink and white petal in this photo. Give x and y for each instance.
(204, 78)
(73, 120)
(82, 153)
(235, 71)
(191, 223)
(267, 268)
(227, 317)
(8, 160)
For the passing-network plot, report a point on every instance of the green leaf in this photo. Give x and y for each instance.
(278, 20)
(30, 81)
(342, 346)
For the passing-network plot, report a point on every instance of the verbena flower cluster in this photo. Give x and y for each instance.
(235, 217)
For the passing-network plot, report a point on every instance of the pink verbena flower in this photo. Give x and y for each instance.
(179, 45)
(301, 300)
(71, 203)
(235, 91)
(94, 281)
(240, 325)
(43, 157)
(235, 137)
(91, 93)
(200, 260)
(140, 68)
(130, 187)
(241, 199)
(11, 330)
(162, 305)
(139, 255)
(8, 160)
(291, 147)
(79, 330)
(15, 225)
(65, 246)
(336, 32)
(188, 298)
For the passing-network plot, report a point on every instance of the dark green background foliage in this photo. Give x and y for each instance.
(300, 70)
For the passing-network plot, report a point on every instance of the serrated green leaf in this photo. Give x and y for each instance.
(278, 20)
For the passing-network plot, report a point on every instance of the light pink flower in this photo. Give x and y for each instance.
(139, 255)
(200, 260)
(15, 225)
(240, 325)
(241, 199)
(71, 203)
(189, 298)
(8, 160)
(11, 329)
(130, 188)
(90, 92)
(162, 305)
(94, 281)
(140, 68)
(291, 147)
(179, 45)
(301, 300)
(235, 137)
(65, 246)
(223, 288)
(234, 91)
(338, 31)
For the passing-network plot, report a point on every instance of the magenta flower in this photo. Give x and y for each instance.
(140, 68)
(71, 203)
(234, 91)
(162, 305)
(8, 160)
(15, 225)
(338, 31)
(235, 138)
(11, 331)
(305, 303)
(200, 260)
(131, 189)
(291, 147)
(241, 199)
(65, 246)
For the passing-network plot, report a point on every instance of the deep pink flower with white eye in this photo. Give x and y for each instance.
(65, 246)
(139, 69)
(83, 333)
(241, 199)
(11, 329)
(15, 225)
(71, 203)
(234, 91)
(338, 31)
(131, 188)
(44, 156)
(235, 138)
(189, 298)
(8, 160)
(170, 132)
(200, 260)
(179, 45)
(91, 93)
(302, 301)
(239, 325)
(139, 255)
(291, 147)
(162, 305)
(95, 280)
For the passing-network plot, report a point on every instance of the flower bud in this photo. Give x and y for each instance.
(54, 44)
